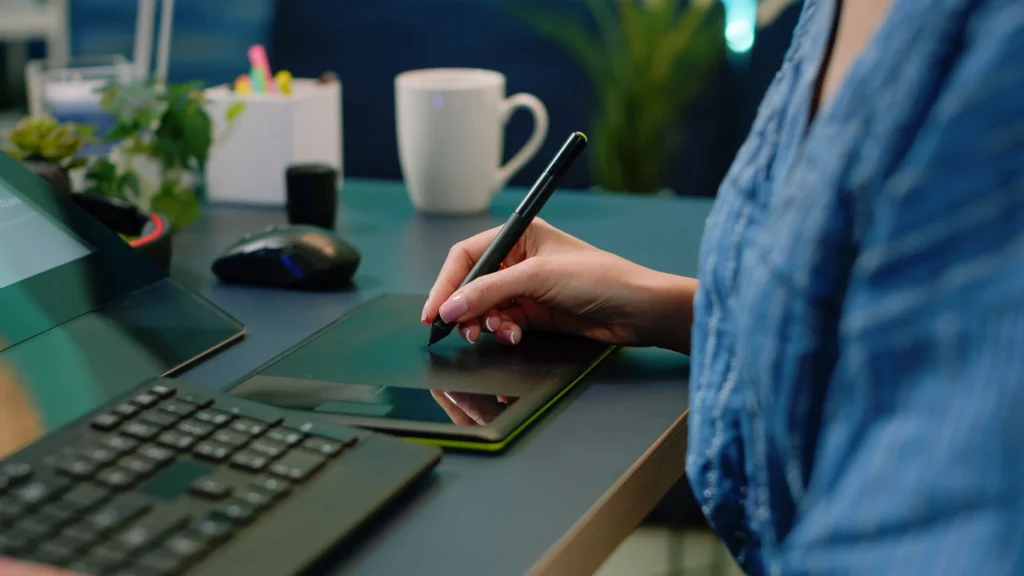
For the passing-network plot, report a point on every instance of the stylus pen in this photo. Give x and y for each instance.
(517, 223)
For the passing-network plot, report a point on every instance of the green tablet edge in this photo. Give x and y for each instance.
(470, 445)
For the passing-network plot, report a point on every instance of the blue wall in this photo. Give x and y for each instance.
(368, 42)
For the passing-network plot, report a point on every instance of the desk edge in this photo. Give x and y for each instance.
(592, 539)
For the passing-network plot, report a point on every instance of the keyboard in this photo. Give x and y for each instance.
(174, 479)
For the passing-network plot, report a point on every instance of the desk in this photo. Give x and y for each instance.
(574, 485)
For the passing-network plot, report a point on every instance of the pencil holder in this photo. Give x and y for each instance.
(274, 131)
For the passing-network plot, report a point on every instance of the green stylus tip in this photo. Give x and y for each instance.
(582, 135)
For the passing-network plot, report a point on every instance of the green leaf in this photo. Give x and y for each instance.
(235, 110)
(128, 182)
(180, 205)
(198, 134)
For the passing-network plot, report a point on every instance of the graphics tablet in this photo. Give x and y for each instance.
(372, 368)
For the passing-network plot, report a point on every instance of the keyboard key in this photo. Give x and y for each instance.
(120, 444)
(141, 430)
(325, 447)
(139, 466)
(210, 488)
(297, 465)
(100, 455)
(60, 511)
(85, 496)
(179, 408)
(254, 498)
(248, 427)
(5, 483)
(213, 528)
(214, 417)
(272, 485)
(126, 410)
(16, 471)
(249, 461)
(161, 420)
(196, 428)
(13, 544)
(213, 451)
(285, 436)
(106, 421)
(268, 448)
(185, 545)
(117, 478)
(77, 467)
(37, 527)
(159, 562)
(177, 440)
(157, 454)
(10, 510)
(237, 512)
(78, 536)
(162, 390)
(146, 400)
(39, 491)
(102, 560)
(147, 532)
(231, 438)
(55, 552)
(199, 401)
(117, 513)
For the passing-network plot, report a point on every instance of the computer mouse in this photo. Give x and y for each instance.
(297, 257)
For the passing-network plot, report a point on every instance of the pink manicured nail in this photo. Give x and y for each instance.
(452, 309)
(509, 335)
(467, 333)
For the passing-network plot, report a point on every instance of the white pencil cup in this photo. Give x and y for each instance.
(248, 160)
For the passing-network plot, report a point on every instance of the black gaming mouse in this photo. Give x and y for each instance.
(297, 257)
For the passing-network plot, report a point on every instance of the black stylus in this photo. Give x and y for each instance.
(517, 223)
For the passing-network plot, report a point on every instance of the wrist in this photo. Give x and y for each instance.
(672, 311)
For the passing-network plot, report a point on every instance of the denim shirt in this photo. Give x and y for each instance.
(857, 367)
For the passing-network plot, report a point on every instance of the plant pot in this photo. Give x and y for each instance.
(150, 233)
(54, 174)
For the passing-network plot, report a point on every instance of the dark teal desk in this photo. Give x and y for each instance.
(572, 487)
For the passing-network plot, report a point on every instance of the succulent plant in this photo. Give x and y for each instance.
(43, 138)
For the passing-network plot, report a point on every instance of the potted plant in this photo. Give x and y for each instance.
(49, 148)
(162, 139)
(647, 60)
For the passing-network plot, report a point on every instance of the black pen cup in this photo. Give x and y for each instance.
(312, 194)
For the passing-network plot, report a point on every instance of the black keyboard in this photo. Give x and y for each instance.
(173, 479)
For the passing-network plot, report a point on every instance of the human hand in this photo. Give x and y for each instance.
(552, 281)
(12, 567)
(471, 409)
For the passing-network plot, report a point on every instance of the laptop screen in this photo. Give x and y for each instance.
(57, 262)
(21, 226)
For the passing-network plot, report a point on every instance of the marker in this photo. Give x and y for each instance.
(284, 81)
(259, 84)
(243, 85)
(490, 261)
(258, 59)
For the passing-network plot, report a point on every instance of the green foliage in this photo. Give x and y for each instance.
(647, 60)
(169, 124)
(43, 138)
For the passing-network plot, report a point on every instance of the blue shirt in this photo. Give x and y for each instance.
(857, 383)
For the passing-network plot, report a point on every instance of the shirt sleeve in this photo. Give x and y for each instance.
(920, 466)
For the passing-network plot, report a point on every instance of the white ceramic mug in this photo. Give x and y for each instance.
(451, 131)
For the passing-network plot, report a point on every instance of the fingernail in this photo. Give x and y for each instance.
(509, 335)
(467, 333)
(487, 322)
(423, 315)
(453, 308)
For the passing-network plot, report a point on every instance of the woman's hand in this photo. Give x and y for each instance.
(553, 281)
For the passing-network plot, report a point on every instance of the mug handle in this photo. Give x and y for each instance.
(533, 143)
